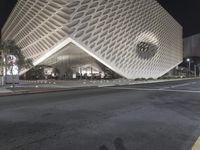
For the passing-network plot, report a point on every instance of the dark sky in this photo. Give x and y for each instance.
(6, 7)
(186, 12)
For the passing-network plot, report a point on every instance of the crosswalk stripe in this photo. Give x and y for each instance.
(196, 146)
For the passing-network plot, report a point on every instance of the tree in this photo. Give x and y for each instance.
(12, 56)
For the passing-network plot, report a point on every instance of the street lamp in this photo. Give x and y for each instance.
(188, 60)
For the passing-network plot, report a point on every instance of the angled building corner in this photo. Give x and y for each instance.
(135, 38)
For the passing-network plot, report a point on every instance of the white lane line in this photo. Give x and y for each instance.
(194, 82)
(101, 86)
(145, 89)
(179, 85)
(196, 145)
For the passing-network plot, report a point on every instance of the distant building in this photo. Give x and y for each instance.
(191, 49)
(192, 46)
(134, 39)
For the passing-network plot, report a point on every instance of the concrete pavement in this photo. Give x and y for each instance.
(4, 90)
(157, 116)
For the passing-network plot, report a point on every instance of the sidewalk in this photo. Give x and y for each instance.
(45, 86)
(86, 83)
(4, 90)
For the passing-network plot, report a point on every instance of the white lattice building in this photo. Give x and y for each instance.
(134, 38)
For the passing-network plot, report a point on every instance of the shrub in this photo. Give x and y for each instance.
(140, 79)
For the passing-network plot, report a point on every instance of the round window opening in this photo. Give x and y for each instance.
(146, 50)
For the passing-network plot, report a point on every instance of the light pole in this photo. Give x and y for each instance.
(195, 71)
(188, 60)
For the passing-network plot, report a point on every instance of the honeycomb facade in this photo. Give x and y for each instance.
(136, 38)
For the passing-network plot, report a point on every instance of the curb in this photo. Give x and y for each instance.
(45, 91)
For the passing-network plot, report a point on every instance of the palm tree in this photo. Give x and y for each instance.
(12, 55)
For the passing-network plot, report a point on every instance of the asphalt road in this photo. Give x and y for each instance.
(158, 116)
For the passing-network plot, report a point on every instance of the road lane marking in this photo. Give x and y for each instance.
(148, 89)
(196, 145)
(179, 85)
(101, 86)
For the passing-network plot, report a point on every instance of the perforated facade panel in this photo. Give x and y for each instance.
(135, 38)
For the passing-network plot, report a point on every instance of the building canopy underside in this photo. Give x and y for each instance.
(71, 62)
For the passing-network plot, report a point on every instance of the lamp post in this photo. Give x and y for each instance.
(189, 66)
(195, 71)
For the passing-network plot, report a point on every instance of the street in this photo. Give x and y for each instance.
(154, 116)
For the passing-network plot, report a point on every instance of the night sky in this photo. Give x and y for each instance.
(186, 12)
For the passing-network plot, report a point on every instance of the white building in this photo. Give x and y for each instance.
(192, 46)
(136, 38)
